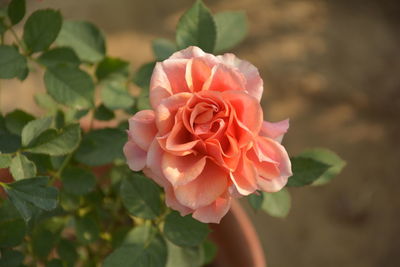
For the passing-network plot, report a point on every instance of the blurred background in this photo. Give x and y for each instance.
(333, 68)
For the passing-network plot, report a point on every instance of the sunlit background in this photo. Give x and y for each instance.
(333, 68)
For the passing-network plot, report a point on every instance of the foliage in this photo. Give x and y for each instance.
(70, 199)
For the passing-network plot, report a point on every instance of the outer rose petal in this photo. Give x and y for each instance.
(170, 198)
(190, 52)
(273, 185)
(136, 157)
(142, 128)
(224, 78)
(160, 87)
(214, 212)
(245, 177)
(254, 83)
(205, 189)
(273, 161)
(275, 130)
(175, 70)
(197, 72)
(172, 202)
(182, 170)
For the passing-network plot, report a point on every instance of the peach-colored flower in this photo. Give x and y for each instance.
(205, 142)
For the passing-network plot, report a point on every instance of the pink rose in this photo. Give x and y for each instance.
(205, 142)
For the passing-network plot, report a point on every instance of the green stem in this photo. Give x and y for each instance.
(19, 42)
(63, 165)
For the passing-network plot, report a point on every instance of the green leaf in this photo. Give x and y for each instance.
(70, 86)
(328, 157)
(41, 29)
(23, 74)
(35, 128)
(3, 11)
(306, 171)
(210, 251)
(144, 247)
(78, 181)
(33, 191)
(110, 66)
(16, 120)
(143, 75)
(101, 147)
(59, 56)
(3, 27)
(11, 258)
(163, 48)
(231, 29)
(87, 229)
(43, 241)
(102, 113)
(197, 27)
(9, 143)
(55, 263)
(277, 204)
(12, 232)
(184, 231)
(85, 38)
(12, 63)
(55, 143)
(67, 251)
(141, 196)
(21, 167)
(256, 200)
(69, 202)
(5, 160)
(115, 95)
(16, 11)
(185, 256)
(73, 115)
(142, 78)
(42, 162)
(46, 102)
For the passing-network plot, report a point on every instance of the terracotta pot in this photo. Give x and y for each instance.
(237, 240)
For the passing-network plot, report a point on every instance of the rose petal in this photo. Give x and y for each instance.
(247, 109)
(214, 212)
(275, 130)
(175, 70)
(135, 156)
(142, 128)
(254, 83)
(173, 203)
(245, 177)
(273, 164)
(205, 189)
(224, 78)
(197, 72)
(273, 185)
(182, 170)
(166, 111)
(153, 162)
(190, 52)
(180, 140)
(160, 87)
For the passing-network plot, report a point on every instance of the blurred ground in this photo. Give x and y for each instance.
(333, 68)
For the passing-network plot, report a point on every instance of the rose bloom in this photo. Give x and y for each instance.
(205, 141)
